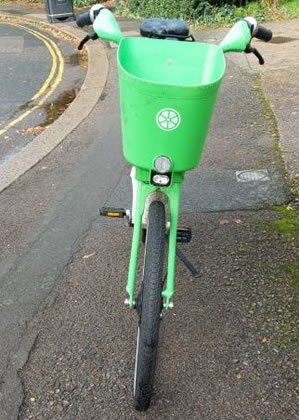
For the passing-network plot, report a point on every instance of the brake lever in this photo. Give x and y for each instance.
(92, 36)
(250, 49)
(82, 42)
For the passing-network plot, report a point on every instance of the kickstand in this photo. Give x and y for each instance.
(187, 263)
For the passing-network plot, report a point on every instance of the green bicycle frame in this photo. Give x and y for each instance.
(168, 91)
(144, 189)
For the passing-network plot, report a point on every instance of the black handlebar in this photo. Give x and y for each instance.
(263, 33)
(92, 35)
(86, 19)
(83, 20)
(257, 31)
(260, 32)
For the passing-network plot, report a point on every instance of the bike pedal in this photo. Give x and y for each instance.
(113, 212)
(184, 235)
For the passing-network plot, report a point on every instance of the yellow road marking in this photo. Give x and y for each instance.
(52, 48)
(54, 61)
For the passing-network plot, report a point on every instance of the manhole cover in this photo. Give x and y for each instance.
(249, 176)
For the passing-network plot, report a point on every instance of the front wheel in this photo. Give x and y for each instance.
(149, 306)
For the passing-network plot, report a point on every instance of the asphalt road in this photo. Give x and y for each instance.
(213, 360)
(40, 75)
(25, 64)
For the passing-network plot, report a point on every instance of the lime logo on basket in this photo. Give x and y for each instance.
(168, 119)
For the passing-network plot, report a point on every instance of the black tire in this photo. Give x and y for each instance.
(149, 306)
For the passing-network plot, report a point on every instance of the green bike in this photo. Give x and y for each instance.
(168, 90)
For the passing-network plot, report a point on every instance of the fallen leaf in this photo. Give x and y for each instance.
(85, 257)
(224, 222)
(238, 221)
(32, 130)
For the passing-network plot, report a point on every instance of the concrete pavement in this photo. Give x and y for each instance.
(280, 83)
(224, 361)
(220, 356)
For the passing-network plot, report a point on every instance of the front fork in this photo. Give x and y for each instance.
(141, 193)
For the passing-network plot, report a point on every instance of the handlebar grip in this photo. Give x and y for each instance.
(83, 20)
(263, 33)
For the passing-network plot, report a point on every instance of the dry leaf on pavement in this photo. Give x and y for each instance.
(224, 222)
(85, 257)
(238, 221)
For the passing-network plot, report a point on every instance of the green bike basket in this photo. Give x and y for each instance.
(168, 91)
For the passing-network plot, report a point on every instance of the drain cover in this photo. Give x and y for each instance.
(249, 176)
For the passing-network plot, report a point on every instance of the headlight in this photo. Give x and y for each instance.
(162, 180)
(162, 164)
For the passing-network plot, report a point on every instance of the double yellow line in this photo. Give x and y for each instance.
(50, 83)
